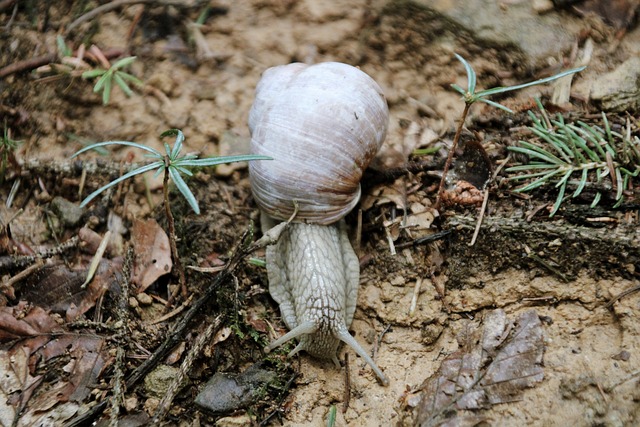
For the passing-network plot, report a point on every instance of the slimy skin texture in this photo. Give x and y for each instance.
(314, 275)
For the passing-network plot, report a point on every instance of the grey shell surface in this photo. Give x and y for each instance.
(322, 124)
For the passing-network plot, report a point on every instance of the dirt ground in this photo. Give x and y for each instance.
(417, 303)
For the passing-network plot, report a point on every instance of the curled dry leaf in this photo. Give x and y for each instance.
(494, 365)
(153, 253)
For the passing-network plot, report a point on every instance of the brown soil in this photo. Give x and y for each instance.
(207, 94)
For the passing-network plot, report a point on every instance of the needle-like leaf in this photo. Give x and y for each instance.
(184, 189)
(138, 171)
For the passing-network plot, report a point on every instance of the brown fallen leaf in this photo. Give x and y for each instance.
(23, 321)
(152, 253)
(16, 383)
(59, 289)
(494, 364)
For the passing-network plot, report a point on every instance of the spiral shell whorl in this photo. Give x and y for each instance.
(322, 124)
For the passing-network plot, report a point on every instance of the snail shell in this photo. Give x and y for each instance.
(322, 124)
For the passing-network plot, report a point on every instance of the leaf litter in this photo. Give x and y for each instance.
(494, 364)
(34, 343)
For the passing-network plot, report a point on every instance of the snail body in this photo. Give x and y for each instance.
(322, 125)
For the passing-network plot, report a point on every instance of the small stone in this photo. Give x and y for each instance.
(624, 356)
(131, 403)
(69, 213)
(158, 381)
(398, 281)
(238, 421)
(144, 299)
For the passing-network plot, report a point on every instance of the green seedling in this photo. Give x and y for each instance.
(570, 155)
(172, 163)
(471, 96)
(113, 75)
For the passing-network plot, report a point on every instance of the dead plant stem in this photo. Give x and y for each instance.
(172, 237)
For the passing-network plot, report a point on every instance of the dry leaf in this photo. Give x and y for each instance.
(21, 322)
(59, 289)
(16, 384)
(494, 364)
(153, 253)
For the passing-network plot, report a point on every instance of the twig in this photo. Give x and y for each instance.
(427, 239)
(13, 13)
(414, 298)
(27, 64)
(117, 399)
(23, 274)
(622, 295)
(7, 262)
(172, 237)
(118, 3)
(545, 264)
(195, 351)
(347, 384)
(630, 377)
(480, 217)
(172, 313)
(486, 199)
(31, 63)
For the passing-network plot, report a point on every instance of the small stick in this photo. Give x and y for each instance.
(622, 295)
(95, 262)
(347, 384)
(173, 238)
(23, 274)
(7, 262)
(480, 217)
(117, 399)
(172, 313)
(414, 298)
(38, 61)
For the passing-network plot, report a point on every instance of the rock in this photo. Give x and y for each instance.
(69, 213)
(226, 392)
(619, 90)
(515, 27)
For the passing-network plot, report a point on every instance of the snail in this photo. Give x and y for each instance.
(322, 124)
